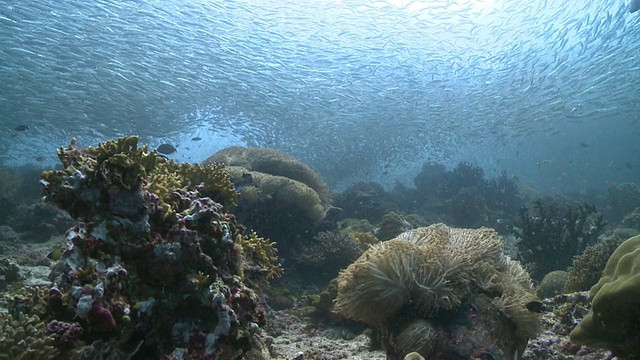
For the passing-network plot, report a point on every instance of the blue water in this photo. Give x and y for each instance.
(359, 90)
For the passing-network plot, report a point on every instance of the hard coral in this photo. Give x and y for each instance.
(614, 319)
(550, 230)
(587, 267)
(144, 227)
(273, 162)
(25, 337)
(433, 271)
(320, 259)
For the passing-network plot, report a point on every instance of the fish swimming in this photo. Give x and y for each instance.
(21, 128)
(634, 6)
(166, 149)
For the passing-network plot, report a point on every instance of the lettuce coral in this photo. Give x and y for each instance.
(614, 319)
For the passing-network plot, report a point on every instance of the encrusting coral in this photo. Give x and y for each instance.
(154, 258)
(428, 272)
(613, 322)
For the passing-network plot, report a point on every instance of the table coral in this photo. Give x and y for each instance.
(155, 258)
(457, 281)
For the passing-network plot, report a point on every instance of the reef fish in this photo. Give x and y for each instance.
(21, 128)
(166, 149)
(634, 6)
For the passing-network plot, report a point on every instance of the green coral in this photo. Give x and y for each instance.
(552, 284)
(351, 226)
(587, 267)
(391, 225)
(614, 319)
(24, 337)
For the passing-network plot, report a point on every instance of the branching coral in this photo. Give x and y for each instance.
(464, 195)
(549, 230)
(261, 255)
(24, 338)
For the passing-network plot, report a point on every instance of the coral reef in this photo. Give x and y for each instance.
(365, 200)
(155, 262)
(552, 284)
(632, 219)
(273, 162)
(319, 260)
(614, 319)
(552, 230)
(39, 221)
(451, 279)
(560, 315)
(461, 196)
(9, 272)
(621, 200)
(587, 267)
(24, 337)
(280, 197)
(392, 225)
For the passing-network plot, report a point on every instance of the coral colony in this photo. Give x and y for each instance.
(155, 264)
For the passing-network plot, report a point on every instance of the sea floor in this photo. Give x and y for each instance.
(299, 333)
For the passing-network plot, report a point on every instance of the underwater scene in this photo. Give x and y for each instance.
(320, 179)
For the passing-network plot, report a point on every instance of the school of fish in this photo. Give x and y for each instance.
(364, 81)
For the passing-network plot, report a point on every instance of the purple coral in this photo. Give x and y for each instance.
(65, 333)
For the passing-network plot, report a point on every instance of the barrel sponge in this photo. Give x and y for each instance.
(614, 319)
(274, 162)
(429, 269)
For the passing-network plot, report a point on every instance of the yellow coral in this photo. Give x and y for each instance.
(262, 253)
(169, 176)
(364, 240)
(24, 337)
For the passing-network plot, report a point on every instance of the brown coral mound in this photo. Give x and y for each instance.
(273, 162)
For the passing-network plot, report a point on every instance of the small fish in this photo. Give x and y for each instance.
(21, 128)
(611, 183)
(41, 158)
(634, 6)
(515, 179)
(166, 149)
(197, 138)
(585, 145)
(537, 306)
